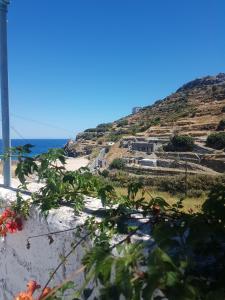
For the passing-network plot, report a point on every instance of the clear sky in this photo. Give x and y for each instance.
(76, 63)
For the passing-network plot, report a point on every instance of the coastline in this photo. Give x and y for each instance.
(72, 164)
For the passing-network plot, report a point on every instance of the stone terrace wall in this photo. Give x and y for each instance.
(18, 264)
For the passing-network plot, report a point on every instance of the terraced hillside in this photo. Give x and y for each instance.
(195, 110)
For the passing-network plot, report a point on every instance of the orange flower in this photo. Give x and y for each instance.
(23, 296)
(32, 286)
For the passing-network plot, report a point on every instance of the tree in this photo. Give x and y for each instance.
(180, 143)
(117, 163)
(216, 140)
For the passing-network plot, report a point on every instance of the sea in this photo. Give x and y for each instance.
(40, 145)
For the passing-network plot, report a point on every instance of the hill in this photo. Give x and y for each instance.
(194, 109)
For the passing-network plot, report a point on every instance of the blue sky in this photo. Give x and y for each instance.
(77, 63)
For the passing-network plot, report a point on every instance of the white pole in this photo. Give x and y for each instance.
(4, 91)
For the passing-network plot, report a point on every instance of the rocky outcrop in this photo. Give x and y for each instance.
(202, 82)
(68, 148)
(75, 149)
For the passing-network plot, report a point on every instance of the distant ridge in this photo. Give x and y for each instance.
(205, 81)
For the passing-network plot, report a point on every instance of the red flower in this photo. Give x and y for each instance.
(10, 222)
(11, 226)
(8, 213)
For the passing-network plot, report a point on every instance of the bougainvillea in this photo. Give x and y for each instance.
(10, 222)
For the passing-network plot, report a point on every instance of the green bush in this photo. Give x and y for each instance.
(134, 129)
(98, 129)
(155, 121)
(105, 173)
(122, 123)
(180, 143)
(88, 135)
(117, 163)
(221, 125)
(90, 130)
(105, 126)
(114, 137)
(216, 140)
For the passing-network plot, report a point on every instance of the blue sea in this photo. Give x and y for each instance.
(40, 145)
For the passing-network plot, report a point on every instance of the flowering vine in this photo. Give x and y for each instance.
(10, 222)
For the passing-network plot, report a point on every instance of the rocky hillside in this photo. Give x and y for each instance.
(194, 109)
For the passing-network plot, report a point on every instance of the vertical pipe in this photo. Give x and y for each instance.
(4, 92)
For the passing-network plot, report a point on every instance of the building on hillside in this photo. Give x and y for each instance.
(143, 144)
(148, 162)
(136, 109)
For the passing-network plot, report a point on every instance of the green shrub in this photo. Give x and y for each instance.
(122, 123)
(117, 163)
(105, 126)
(180, 143)
(134, 129)
(94, 130)
(88, 135)
(216, 140)
(105, 173)
(221, 125)
(155, 122)
(114, 137)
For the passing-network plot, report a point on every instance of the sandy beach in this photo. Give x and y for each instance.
(76, 163)
(72, 164)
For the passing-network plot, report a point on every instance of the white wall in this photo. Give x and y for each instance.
(18, 264)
